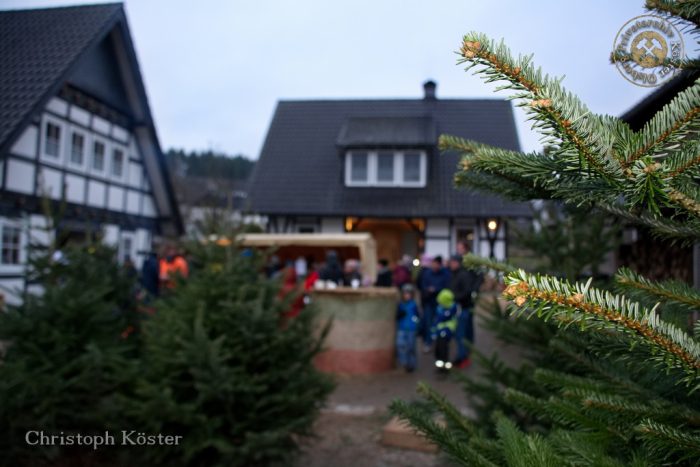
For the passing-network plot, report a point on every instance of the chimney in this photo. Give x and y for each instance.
(429, 90)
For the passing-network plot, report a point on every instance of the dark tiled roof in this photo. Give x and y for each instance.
(387, 131)
(37, 47)
(300, 167)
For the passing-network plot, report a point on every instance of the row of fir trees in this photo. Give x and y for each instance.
(214, 362)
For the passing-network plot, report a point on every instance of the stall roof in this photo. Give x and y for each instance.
(363, 241)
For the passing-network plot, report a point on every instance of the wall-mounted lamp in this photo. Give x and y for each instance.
(491, 235)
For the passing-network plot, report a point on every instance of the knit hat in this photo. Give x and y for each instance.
(446, 298)
(407, 288)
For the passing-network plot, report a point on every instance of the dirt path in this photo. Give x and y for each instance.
(352, 441)
(349, 430)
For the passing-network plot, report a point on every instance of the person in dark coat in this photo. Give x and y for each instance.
(464, 284)
(150, 274)
(433, 281)
(384, 275)
(332, 271)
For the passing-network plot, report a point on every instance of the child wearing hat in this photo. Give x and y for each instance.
(407, 320)
(445, 326)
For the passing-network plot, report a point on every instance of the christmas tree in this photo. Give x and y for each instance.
(69, 351)
(615, 381)
(225, 369)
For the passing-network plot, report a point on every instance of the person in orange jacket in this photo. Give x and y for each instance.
(171, 265)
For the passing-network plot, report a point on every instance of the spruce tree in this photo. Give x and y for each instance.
(615, 383)
(69, 351)
(223, 368)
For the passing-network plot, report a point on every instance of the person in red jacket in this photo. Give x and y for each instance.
(402, 272)
(291, 288)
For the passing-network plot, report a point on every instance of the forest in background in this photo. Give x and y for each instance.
(209, 164)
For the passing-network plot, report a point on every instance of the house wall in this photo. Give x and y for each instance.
(28, 170)
(441, 234)
(35, 231)
(484, 244)
(332, 225)
(438, 237)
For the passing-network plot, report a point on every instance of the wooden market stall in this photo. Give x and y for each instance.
(359, 246)
(361, 338)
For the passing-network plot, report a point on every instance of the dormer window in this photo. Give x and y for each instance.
(405, 168)
(359, 167)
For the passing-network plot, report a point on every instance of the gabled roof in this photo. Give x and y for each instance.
(40, 48)
(37, 49)
(300, 169)
(387, 131)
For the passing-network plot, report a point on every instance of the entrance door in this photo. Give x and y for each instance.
(388, 244)
(393, 237)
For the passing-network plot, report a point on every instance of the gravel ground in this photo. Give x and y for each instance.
(351, 441)
(349, 429)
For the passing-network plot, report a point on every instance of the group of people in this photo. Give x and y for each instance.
(159, 272)
(446, 295)
(436, 304)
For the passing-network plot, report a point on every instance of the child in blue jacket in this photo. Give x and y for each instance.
(445, 327)
(407, 320)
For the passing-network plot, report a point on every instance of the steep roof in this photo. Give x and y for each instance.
(300, 169)
(40, 48)
(387, 131)
(37, 48)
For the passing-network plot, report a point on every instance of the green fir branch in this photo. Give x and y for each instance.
(669, 126)
(525, 450)
(669, 441)
(589, 307)
(668, 291)
(672, 230)
(453, 446)
(583, 449)
(633, 409)
(684, 160)
(558, 114)
(472, 261)
(450, 412)
(686, 10)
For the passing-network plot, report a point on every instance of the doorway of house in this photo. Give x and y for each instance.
(393, 237)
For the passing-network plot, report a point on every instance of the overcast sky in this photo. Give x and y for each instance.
(214, 69)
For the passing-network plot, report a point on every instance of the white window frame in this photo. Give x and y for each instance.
(105, 162)
(45, 121)
(125, 161)
(19, 267)
(87, 148)
(372, 169)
